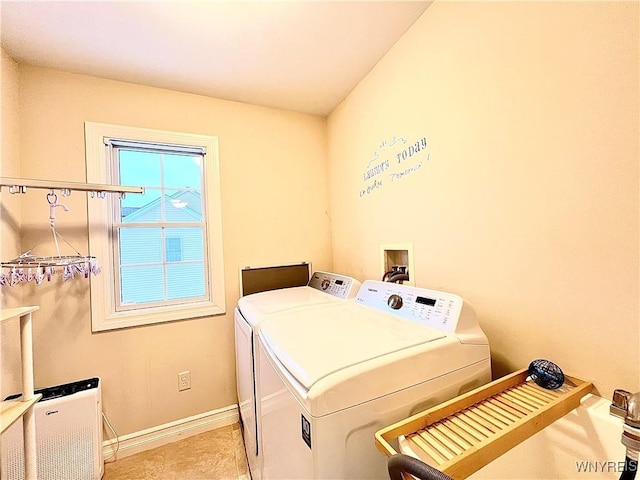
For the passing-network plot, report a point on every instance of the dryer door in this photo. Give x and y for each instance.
(245, 380)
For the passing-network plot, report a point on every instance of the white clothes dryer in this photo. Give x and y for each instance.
(331, 376)
(252, 310)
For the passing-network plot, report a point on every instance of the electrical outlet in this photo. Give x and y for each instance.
(184, 381)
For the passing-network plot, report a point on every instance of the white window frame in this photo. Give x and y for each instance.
(100, 212)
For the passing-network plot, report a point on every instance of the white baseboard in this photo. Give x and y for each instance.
(153, 437)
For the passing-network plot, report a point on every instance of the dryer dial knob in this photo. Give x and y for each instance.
(395, 302)
(325, 284)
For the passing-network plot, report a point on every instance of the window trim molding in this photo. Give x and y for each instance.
(103, 315)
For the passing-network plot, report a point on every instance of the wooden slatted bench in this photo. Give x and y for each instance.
(466, 433)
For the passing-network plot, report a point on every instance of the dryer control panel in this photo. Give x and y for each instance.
(439, 310)
(334, 284)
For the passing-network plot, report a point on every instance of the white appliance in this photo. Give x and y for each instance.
(252, 310)
(331, 376)
(68, 435)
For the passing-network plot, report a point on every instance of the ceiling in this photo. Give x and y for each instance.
(298, 55)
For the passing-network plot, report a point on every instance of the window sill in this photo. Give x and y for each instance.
(157, 315)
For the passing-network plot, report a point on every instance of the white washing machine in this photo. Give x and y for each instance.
(331, 376)
(252, 310)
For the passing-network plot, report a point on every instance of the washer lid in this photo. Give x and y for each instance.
(256, 305)
(313, 344)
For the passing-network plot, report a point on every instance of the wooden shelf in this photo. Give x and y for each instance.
(462, 435)
(12, 410)
(9, 313)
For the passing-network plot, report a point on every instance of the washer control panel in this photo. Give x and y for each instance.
(439, 310)
(334, 284)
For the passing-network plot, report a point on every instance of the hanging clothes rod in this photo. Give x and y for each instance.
(20, 185)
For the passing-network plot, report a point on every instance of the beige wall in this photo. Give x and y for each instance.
(9, 159)
(10, 209)
(525, 201)
(274, 189)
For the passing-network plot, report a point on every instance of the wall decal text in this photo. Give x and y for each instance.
(393, 160)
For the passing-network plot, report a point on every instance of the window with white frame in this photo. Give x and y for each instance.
(161, 252)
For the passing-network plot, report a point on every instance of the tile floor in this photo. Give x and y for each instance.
(214, 455)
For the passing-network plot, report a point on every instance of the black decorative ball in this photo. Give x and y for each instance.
(546, 374)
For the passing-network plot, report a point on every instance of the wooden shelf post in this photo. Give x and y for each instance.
(12, 410)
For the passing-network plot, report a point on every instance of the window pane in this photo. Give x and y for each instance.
(141, 208)
(182, 171)
(161, 264)
(141, 284)
(139, 168)
(183, 206)
(185, 280)
(140, 245)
